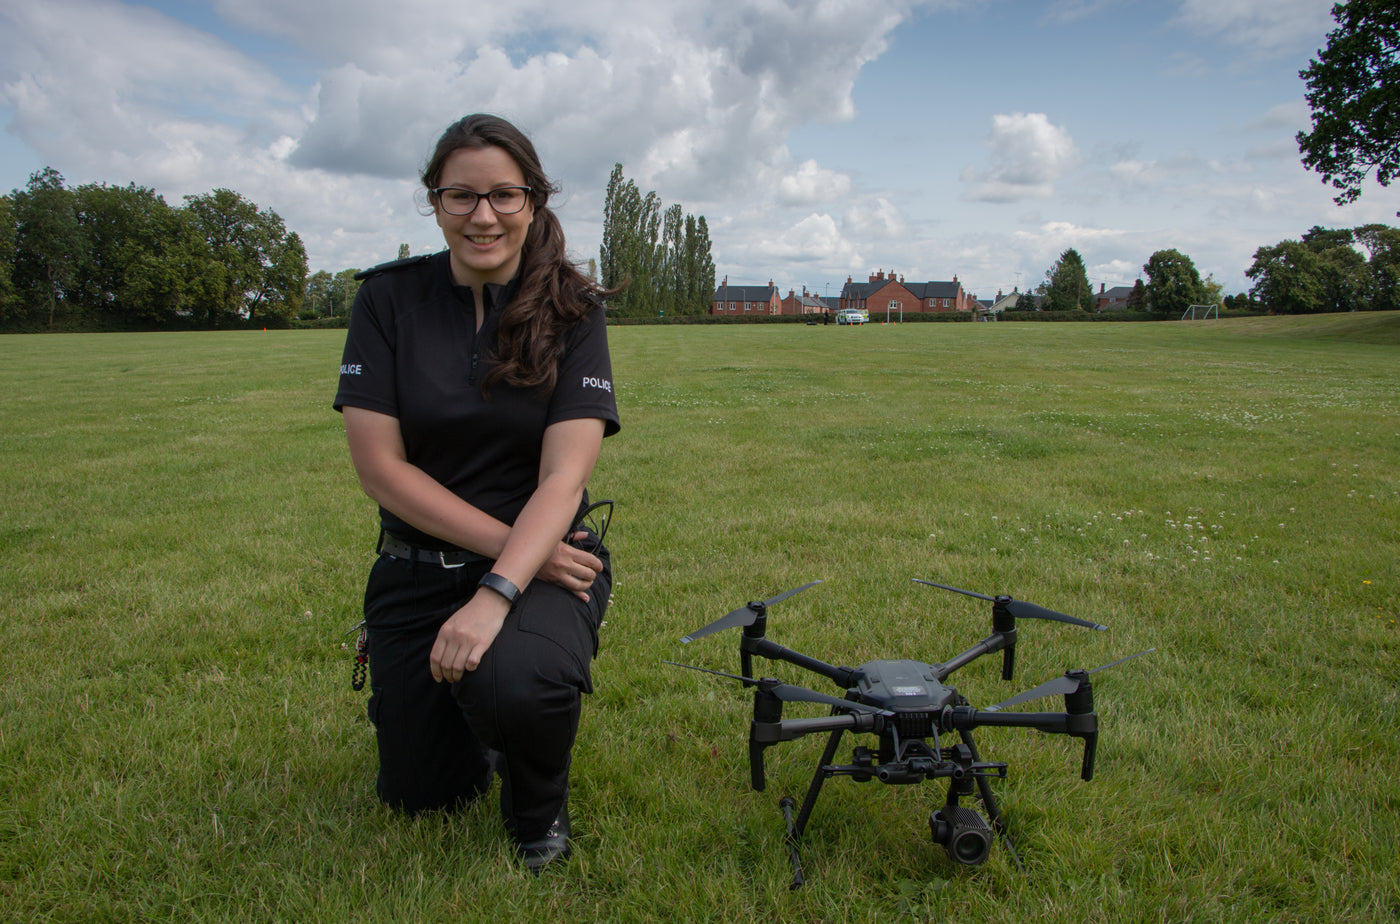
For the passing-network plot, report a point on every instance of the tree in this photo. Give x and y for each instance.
(1066, 286)
(248, 262)
(1214, 291)
(127, 234)
(1287, 278)
(700, 266)
(1341, 268)
(1027, 302)
(48, 241)
(1382, 244)
(1173, 284)
(1354, 93)
(7, 257)
(1137, 298)
(661, 257)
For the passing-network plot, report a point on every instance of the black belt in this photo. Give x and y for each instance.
(389, 544)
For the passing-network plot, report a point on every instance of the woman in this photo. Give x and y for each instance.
(476, 390)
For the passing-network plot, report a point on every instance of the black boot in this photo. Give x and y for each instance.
(537, 854)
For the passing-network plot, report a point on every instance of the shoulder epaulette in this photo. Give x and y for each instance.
(392, 265)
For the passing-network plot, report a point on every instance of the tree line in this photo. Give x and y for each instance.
(658, 258)
(1341, 269)
(1325, 271)
(120, 256)
(1173, 286)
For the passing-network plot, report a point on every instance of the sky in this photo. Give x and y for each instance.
(821, 139)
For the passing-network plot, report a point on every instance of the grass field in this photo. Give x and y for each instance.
(185, 546)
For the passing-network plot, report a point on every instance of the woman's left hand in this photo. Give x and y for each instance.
(571, 568)
(468, 633)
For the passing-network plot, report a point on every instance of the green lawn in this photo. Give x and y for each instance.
(185, 547)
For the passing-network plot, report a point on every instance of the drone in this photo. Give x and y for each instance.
(912, 713)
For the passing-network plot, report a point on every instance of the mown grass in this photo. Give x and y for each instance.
(185, 546)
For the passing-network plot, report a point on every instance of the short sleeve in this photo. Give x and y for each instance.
(367, 373)
(585, 384)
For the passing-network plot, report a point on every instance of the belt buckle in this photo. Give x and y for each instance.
(442, 559)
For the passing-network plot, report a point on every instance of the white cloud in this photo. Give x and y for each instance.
(1029, 153)
(812, 183)
(90, 81)
(876, 218)
(814, 239)
(1292, 117)
(697, 101)
(1266, 26)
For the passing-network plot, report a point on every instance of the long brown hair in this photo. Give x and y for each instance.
(553, 295)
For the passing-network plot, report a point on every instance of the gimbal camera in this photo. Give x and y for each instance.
(908, 708)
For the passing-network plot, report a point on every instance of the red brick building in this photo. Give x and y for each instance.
(796, 304)
(746, 300)
(890, 295)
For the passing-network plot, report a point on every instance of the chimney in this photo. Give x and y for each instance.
(1100, 288)
(955, 277)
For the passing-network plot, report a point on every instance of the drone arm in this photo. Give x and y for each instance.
(965, 718)
(770, 733)
(994, 642)
(1077, 721)
(842, 676)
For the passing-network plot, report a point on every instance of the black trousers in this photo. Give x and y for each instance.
(522, 701)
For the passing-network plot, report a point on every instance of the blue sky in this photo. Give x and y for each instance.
(821, 140)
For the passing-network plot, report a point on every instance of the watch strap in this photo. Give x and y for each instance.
(500, 585)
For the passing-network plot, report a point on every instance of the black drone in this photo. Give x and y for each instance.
(908, 707)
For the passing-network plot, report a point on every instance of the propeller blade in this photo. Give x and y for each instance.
(1121, 660)
(788, 593)
(1049, 688)
(1023, 610)
(744, 615)
(1060, 685)
(956, 590)
(1020, 609)
(787, 692)
(747, 681)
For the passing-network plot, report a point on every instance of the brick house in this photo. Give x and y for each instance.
(746, 300)
(796, 304)
(889, 293)
(1114, 299)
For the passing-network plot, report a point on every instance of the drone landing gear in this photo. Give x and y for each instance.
(958, 829)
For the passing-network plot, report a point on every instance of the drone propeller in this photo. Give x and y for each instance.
(1020, 609)
(787, 692)
(745, 615)
(1060, 685)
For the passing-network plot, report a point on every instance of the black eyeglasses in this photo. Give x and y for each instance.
(593, 520)
(505, 200)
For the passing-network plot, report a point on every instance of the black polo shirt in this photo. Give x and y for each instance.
(413, 353)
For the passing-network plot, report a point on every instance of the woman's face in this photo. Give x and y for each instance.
(483, 246)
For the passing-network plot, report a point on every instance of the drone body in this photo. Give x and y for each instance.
(909, 708)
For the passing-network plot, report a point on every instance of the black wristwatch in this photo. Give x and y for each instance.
(501, 586)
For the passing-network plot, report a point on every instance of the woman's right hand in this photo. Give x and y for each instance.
(571, 568)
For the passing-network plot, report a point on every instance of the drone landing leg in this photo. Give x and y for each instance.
(786, 803)
(984, 789)
(795, 828)
(818, 778)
